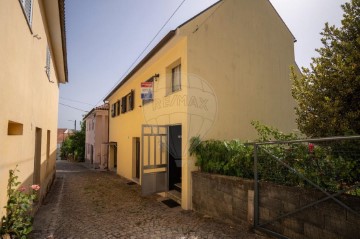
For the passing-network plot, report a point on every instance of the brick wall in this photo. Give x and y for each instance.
(231, 200)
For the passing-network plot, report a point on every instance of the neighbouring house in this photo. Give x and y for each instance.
(210, 77)
(96, 139)
(62, 135)
(32, 66)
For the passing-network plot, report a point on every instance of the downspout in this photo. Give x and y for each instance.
(108, 136)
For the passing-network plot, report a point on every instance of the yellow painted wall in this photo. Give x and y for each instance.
(244, 51)
(236, 59)
(125, 127)
(27, 96)
(248, 67)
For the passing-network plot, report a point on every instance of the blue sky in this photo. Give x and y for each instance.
(104, 38)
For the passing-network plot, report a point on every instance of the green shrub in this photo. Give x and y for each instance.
(332, 166)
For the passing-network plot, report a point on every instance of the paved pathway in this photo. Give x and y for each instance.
(86, 203)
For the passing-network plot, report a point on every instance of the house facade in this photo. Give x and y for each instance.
(32, 66)
(210, 77)
(96, 139)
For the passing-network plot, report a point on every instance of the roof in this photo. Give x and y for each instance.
(63, 36)
(63, 133)
(54, 16)
(100, 107)
(155, 50)
(164, 41)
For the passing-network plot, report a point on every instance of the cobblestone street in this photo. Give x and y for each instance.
(86, 203)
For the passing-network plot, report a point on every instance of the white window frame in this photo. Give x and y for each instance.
(176, 78)
(48, 62)
(28, 15)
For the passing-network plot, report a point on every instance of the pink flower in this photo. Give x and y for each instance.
(22, 189)
(311, 148)
(35, 187)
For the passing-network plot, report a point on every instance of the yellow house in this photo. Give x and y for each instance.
(210, 77)
(32, 65)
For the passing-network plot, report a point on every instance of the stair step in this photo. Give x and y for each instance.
(174, 195)
(177, 187)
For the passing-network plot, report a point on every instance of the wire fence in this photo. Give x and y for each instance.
(328, 169)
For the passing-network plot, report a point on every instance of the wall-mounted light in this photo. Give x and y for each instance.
(156, 77)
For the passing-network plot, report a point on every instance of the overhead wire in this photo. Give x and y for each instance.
(69, 106)
(77, 101)
(142, 52)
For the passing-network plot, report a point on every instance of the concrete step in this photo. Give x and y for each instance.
(177, 187)
(174, 195)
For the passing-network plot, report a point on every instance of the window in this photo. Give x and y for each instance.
(118, 107)
(123, 104)
(27, 8)
(130, 100)
(48, 62)
(127, 102)
(176, 78)
(113, 110)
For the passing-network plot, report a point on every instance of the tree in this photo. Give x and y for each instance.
(328, 94)
(74, 145)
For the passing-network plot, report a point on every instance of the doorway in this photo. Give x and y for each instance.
(92, 154)
(37, 156)
(154, 159)
(137, 157)
(175, 157)
(112, 156)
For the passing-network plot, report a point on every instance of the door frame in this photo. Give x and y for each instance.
(154, 177)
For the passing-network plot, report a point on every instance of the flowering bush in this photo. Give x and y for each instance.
(17, 223)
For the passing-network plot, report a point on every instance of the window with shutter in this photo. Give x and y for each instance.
(113, 110)
(27, 7)
(118, 107)
(176, 78)
(48, 62)
(123, 104)
(131, 100)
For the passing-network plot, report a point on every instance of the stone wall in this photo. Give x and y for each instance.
(231, 200)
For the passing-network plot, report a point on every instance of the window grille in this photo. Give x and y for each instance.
(48, 62)
(27, 7)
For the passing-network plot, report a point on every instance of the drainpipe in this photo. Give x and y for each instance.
(108, 136)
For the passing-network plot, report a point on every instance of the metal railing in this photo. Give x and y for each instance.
(284, 157)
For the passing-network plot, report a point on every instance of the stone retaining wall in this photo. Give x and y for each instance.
(231, 200)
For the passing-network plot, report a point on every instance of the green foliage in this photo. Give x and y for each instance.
(74, 145)
(223, 157)
(17, 223)
(267, 133)
(328, 94)
(331, 166)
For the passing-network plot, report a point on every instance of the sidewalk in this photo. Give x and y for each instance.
(88, 203)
